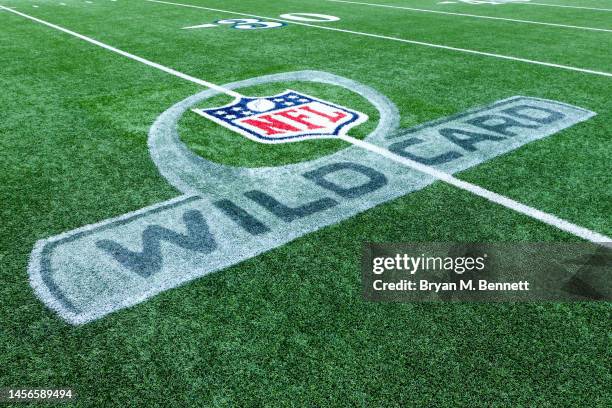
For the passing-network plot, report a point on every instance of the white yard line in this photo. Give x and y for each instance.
(513, 20)
(564, 6)
(484, 193)
(384, 37)
(546, 218)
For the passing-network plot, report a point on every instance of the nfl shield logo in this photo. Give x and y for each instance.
(287, 117)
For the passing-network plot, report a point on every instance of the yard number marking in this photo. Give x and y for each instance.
(256, 23)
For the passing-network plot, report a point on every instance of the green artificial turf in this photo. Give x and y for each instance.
(290, 327)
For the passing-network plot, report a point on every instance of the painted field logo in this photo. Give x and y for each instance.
(286, 117)
(228, 214)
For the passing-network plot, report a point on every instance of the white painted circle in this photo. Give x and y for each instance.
(260, 105)
(316, 18)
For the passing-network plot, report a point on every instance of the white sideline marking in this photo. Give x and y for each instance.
(130, 56)
(514, 20)
(384, 37)
(439, 175)
(564, 6)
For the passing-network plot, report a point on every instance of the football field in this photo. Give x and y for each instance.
(186, 188)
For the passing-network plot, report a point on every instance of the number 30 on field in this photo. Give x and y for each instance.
(257, 24)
